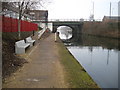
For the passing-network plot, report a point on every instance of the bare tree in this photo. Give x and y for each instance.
(24, 6)
(23, 9)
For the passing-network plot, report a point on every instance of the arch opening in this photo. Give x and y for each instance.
(65, 32)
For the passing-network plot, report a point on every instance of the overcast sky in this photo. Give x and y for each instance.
(76, 9)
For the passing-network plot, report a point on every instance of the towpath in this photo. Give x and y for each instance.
(43, 69)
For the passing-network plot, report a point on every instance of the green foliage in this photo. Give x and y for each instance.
(113, 25)
(76, 76)
(40, 28)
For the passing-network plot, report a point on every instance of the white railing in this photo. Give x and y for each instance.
(67, 20)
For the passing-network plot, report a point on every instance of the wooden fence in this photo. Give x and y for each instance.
(11, 25)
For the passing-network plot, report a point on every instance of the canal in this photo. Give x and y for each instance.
(98, 56)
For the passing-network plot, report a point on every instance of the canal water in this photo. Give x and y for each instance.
(98, 56)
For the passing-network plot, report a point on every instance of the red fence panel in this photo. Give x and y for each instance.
(3, 28)
(14, 25)
(11, 25)
(0, 23)
(7, 24)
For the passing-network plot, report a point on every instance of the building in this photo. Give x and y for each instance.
(39, 14)
(111, 18)
(11, 11)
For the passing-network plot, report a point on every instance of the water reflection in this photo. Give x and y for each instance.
(108, 57)
(100, 63)
(98, 56)
(65, 32)
(91, 53)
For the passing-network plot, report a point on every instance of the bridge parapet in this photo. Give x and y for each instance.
(59, 20)
(63, 20)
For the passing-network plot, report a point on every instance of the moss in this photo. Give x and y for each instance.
(75, 75)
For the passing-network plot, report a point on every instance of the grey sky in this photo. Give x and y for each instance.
(76, 9)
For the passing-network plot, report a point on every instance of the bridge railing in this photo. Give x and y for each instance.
(63, 20)
(67, 20)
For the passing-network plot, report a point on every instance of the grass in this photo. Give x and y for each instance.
(75, 74)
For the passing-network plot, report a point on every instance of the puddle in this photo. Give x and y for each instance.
(34, 80)
(37, 79)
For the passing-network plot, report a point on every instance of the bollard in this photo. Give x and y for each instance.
(55, 36)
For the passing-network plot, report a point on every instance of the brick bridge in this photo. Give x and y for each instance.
(76, 26)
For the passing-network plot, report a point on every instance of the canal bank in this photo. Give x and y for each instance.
(108, 29)
(43, 69)
(75, 74)
(99, 57)
(48, 67)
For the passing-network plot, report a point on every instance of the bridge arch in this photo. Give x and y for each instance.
(65, 32)
(75, 25)
(76, 28)
(56, 26)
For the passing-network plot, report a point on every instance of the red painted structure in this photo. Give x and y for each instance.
(11, 25)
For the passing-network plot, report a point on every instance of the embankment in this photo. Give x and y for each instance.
(75, 74)
(10, 61)
(103, 29)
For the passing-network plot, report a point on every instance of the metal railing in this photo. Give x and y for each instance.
(66, 20)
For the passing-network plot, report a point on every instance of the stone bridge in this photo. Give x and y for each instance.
(76, 26)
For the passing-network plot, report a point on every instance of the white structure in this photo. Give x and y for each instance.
(20, 47)
(91, 18)
(50, 26)
(29, 40)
